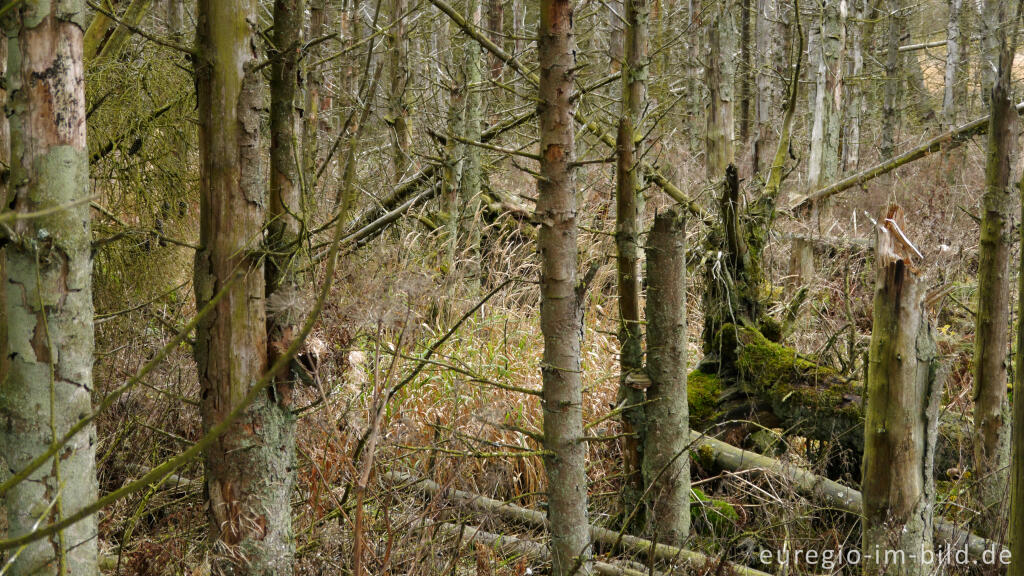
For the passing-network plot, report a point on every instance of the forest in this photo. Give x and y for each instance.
(511, 287)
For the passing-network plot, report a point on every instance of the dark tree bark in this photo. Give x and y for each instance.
(48, 278)
(561, 312)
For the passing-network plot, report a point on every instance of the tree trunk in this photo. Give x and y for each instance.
(904, 393)
(745, 70)
(1015, 536)
(97, 31)
(629, 203)
(455, 150)
(286, 288)
(949, 100)
(992, 322)
(311, 107)
(472, 172)
(48, 277)
(666, 464)
(248, 468)
(891, 90)
(398, 105)
(859, 35)
(560, 310)
(990, 32)
(175, 19)
(496, 26)
(826, 58)
(133, 16)
(720, 75)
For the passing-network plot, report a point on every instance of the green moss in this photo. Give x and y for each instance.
(720, 516)
(703, 391)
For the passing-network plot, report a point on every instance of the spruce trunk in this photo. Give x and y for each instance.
(666, 464)
(248, 468)
(561, 314)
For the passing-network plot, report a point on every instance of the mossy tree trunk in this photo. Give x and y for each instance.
(248, 469)
(666, 464)
(629, 202)
(132, 16)
(48, 278)
(992, 322)
(904, 393)
(734, 277)
(1015, 536)
(561, 312)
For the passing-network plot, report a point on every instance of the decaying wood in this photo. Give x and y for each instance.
(513, 546)
(469, 502)
(708, 450)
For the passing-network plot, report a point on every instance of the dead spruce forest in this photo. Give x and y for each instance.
(510, 287)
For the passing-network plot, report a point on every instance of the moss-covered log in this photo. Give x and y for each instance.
(758, 379)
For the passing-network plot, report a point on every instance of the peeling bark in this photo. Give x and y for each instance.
(48, 278)
(248, 469)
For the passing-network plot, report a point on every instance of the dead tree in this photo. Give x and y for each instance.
(666, 464)
(904, 393)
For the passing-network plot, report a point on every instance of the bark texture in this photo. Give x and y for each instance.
(666, 464)
(398, 102)
(248, 469)
(1015, 535)
(720, 75)
(48, 279)
(629, 202)
(992, 321)
(949, 99)
(286, 290)
(561, 314)
(904, 393)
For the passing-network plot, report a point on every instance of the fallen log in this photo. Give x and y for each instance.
(710, 452)
(947, 140)
(755, 378)
(721, 455)
(525, 516)
(513, 546)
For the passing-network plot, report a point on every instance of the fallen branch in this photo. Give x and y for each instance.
(512, 546)
(945, 141)
(729, 457)
(484, 505)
